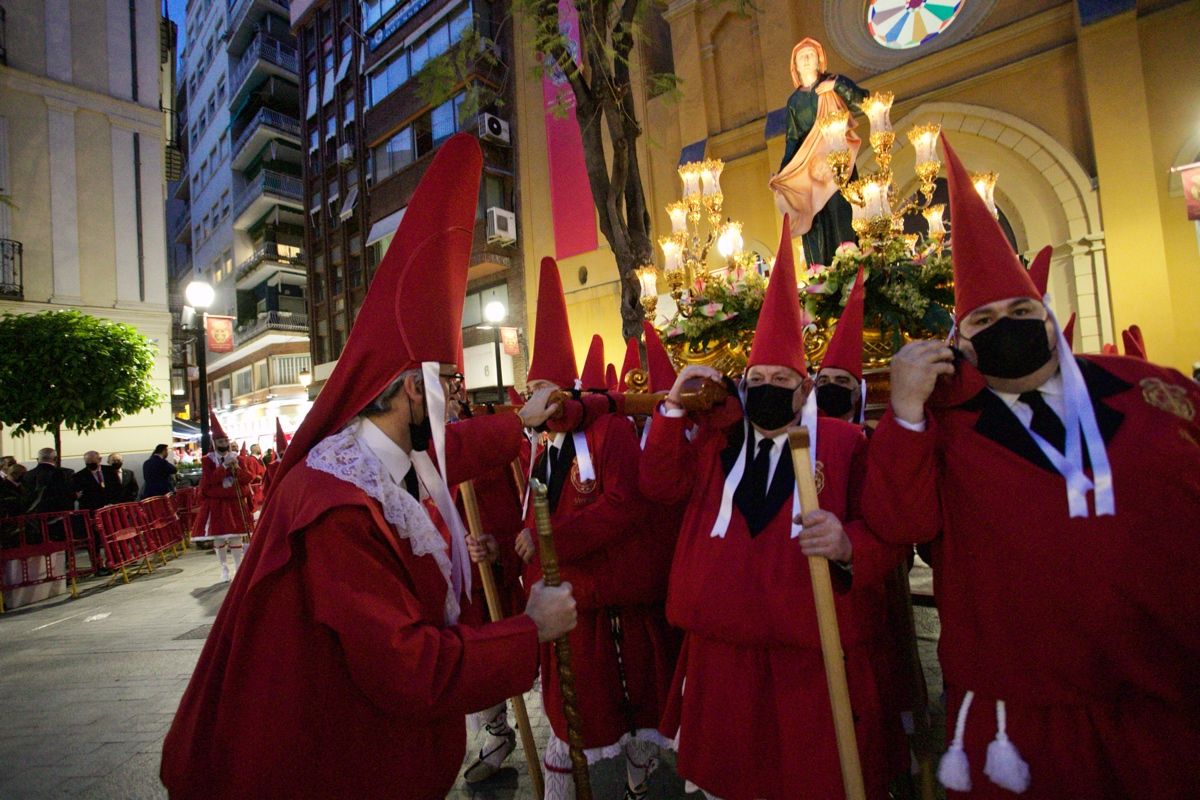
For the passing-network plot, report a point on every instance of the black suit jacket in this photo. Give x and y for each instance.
(48, 486)
(156, 473)
(92, 494)
(123, 489)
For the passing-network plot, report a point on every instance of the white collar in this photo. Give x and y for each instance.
(1052, 387)
(558, 440)
(390, 455)
(776, 440)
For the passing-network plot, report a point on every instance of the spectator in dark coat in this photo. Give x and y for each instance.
(90, 483)
(157, 473)
(48, 485)
(121, 483)
(14, 497)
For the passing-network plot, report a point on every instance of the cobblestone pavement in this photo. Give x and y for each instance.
(89, 688)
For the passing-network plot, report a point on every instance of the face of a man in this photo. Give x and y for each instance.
(783, 377)
(979, 326)
(91, 460)
(840, 377)
(221, 444)
(115, 461)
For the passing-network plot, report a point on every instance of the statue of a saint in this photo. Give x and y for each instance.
(805, 187)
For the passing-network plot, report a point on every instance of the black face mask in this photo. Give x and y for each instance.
(770, 407)
(420, 432)
(224, 449)
(834, 400)
(93, 467)
(1012, 348)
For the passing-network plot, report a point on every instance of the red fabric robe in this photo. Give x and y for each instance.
(218, 514)
(500, 513)
(1087, 628)
(330, 671)
(750, 702)
(600, 535)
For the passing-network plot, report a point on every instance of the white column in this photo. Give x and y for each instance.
(58, 39)
(124, 215)
(154, 223)
(120, 79)
(64, 211)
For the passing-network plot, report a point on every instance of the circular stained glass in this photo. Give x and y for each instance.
(902, 24)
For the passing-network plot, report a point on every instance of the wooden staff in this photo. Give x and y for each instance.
(700, 394)
(922, 733)
(562, 649)
(475, 523)
(237, 490)
(827, 624)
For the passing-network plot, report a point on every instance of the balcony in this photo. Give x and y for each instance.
(279, 321)
(266, 55)
(263, 191)
(10, 270)
(267, 258)
(267, 124)
(181, 225)
(245, 15)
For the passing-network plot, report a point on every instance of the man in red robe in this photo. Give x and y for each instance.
(337, 666)
(224, 517)
(1062, 494)
(622, 650)
(749, 706)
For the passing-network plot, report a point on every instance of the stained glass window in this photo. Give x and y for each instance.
(902, 24)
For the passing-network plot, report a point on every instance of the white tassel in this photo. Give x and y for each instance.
(1005, 767)
(954, 770)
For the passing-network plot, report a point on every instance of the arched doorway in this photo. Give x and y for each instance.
(1044, 195)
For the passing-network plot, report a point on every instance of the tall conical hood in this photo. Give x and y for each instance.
(553, 354)
(1069, 331)
(215, 431)
(633, 360)
(658, 362)
(593, 366)
(412, 314)
(1135, 345)
(244, 451)
(845, 349)
(280, 439)
(985, 267)
(514, 399)
(610, 377)
(1039, 270)
(779, 338)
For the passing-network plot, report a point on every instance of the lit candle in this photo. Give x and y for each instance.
(924, 139)
(648, 279)
(716, 166)
(706, 179)
(985, 185)
(729, 243)
(933, 215)
(678, 213)
(833, 128)
(671, 253)
(878, 109)
(872, 199)
(691, 180)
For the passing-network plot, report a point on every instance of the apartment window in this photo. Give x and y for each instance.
(242, 383)
(330, 127)
(204, 225)
(224, 204)
(394, 154)
(390, 75)
(327, 57)
(347, 45)
(223, 145)
(314, 139)
(262, 378)
(348, 112)
(492, 193)
(443, 122)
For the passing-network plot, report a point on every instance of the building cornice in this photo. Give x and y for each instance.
(69, 98)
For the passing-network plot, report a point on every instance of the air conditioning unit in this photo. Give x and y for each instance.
(493, 129)
(501, 226)
(345, 153)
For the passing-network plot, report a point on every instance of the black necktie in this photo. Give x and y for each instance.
(1045, 422)
(760, 470)
(412, 484)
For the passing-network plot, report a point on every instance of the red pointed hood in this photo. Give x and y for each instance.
(610, 377)
(593, 366)
(658, 362)
(515, 399)
(985, 267)
(413, 310)
(1039, 270)
(779, 338)
(633, 360)
(1109, 350)
(215, 431)
(1135, 345)
(280, 439)
(845, 349)
(553, 355)
(1069, 331)
(244, 451)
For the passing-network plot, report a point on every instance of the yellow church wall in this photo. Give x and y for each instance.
(1170, 63)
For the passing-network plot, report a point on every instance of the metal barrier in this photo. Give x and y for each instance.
(28, 537)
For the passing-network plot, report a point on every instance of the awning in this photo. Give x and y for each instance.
(327, 96)
(385, 226)
(184, 430)
(348, 206)
(343, 68)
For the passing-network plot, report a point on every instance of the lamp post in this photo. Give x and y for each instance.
(305, 378)
(495, 312)
(200, 296)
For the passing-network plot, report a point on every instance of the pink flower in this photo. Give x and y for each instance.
(805, 318)
(847, 249)
(726, 315)
(817, 288)
(673, 332)
(816, 269)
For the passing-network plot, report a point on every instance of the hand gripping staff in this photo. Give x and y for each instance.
(475, 524)
(827, 624)
(562, 650)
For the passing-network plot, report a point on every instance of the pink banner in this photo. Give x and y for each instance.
(571, 204)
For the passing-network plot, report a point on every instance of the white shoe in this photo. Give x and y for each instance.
(224, 574)
(495, 748)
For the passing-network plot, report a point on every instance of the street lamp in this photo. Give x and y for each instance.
(495, 312)
(305, 378)
(200, 296)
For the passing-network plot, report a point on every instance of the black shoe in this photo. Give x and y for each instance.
(103, 572)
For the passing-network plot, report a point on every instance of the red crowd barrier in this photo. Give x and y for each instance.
(187, 501)
(32, 536)
(134, 533)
